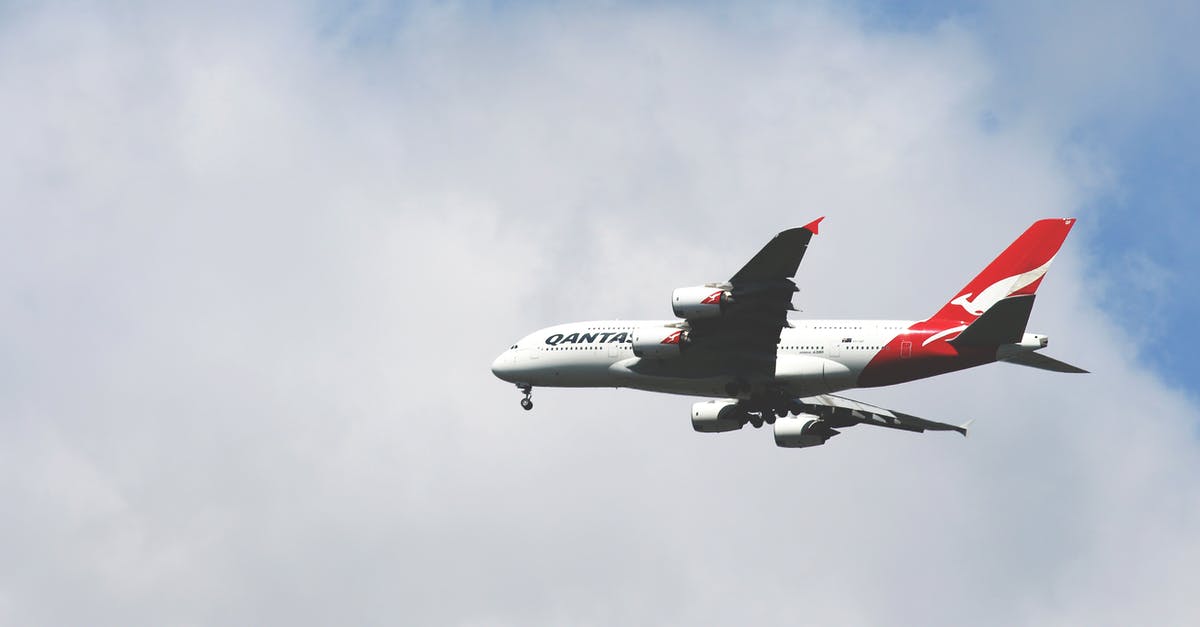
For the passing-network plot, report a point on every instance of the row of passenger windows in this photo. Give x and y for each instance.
(814, 348)
(859, 328)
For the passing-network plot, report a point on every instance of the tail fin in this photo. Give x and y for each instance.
(1017, 271)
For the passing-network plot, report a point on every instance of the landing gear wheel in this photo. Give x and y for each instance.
(527, 402)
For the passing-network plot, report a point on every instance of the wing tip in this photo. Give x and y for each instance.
(964, 427)
(812, 226)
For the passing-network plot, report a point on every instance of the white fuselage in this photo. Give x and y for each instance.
(813, 357)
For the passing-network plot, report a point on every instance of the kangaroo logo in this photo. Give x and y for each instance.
(672, 338)
(984, 301)
(999, 290)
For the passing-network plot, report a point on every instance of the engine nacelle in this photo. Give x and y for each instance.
(718, 416)
(700, 302)
(658, 342)
(801, 431)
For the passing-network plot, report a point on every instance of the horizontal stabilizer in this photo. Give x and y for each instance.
(1003, 323)
(1038, 360)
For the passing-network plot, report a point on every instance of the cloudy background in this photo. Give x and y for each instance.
(256, 262)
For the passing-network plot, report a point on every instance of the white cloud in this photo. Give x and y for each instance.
(255, 276)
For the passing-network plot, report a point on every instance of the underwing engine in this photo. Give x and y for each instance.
(718, 416)
(658, 342)
(802, 431)
(700, 301)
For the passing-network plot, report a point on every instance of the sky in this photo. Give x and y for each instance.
(1117, 82)
(257, 261)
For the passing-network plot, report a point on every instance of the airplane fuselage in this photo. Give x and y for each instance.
(812, 357)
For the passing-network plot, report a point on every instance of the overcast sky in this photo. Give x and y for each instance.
(256, 263)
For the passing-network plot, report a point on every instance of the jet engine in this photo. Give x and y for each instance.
(801, 431)
(718, 416)
(658, 342)
(700, 302)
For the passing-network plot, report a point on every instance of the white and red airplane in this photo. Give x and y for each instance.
(734, 342)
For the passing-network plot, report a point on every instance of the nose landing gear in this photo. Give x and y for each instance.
(527, 402)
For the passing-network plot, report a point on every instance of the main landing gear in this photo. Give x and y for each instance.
(765, 411)
(527, 402)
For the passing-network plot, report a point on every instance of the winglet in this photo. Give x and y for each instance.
(812, 226)
(963, 427)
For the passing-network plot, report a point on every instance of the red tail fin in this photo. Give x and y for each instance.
(1018, 270)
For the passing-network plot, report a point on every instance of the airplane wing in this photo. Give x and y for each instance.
(838, 412)
(746, 338)
(780, 258)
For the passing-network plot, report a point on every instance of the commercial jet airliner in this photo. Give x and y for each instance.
(733, 341)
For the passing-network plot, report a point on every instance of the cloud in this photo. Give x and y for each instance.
(255, 270)
(1118, 81)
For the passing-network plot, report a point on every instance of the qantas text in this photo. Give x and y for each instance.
(587, 338)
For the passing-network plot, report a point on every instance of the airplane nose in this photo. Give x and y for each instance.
(502, 365)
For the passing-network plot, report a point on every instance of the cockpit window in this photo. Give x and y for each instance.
(514, 346)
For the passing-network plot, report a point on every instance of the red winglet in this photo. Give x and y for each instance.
(812, 226)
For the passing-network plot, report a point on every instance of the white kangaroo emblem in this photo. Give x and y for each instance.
(999, 290)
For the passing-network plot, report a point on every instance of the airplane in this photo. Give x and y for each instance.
(733, 342)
